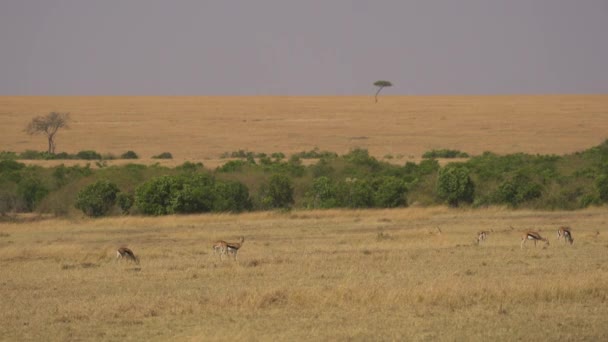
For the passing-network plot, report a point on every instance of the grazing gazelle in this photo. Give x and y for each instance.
(566, 233)
(482, 236)
(534, 236)
(126, 253)
(233, 247)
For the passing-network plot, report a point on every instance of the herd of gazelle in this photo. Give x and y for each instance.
(531, 235)
(223, 248)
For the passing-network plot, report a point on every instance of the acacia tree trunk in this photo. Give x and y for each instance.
(378, 92)
(51, 144)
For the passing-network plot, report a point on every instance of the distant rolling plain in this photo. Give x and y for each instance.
(404, 127)
(406, 274)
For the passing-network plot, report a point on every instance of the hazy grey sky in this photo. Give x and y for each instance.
(302, 47)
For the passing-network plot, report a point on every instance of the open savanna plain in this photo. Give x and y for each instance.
(413, 274)
(404, 274)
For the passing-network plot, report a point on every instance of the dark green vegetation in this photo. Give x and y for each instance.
(257, 181)
(82, 155)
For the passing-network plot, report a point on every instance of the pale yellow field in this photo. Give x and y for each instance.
(308, 275)
(202, 128)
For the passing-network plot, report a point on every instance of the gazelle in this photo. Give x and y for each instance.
(126, 253)
(223, 247)
(233, 248)
(534, 236)
(220, 247)
(482, 236)
(566, 233)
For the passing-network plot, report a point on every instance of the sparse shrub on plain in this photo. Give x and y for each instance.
(88, 155)
(129, 155)
(97, 199)
(164, 155)
(316, 154)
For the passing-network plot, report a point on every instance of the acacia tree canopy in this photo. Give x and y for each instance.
(381, 84)
(48, 125)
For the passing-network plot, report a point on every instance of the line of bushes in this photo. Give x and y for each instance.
(82, 155)
(352, 180)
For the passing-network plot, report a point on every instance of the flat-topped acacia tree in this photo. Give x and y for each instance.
(381, 84)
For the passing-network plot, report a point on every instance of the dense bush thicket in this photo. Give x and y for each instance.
(258, 181)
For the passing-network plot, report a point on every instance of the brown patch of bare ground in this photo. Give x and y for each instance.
(308, 275)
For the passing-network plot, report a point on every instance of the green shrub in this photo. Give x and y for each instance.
(31, 190)
(231, 197)
(8, 155)
(175, 195)
(278, 155)
(129, 155)
(601, 185)
(444, 153)
(125, 202)
(232, 166)
(36, 155)
(315, 154)
(154, 197)
(164, 155)
(355, 193)
(389, 192)
(278, 193)
(517, 190)
(88, 155)
(190, 166)
(361, 157)
(10, 165)
(322, 194)
(97, 199)
(454, 185)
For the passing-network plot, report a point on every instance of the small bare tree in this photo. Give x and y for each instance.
(48, 125)
(381, 84)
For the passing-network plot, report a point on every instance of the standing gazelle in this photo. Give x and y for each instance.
(566, 233)
(482, 236)
(222, 247)
(233, 248)
(534, 236)
(126, 253)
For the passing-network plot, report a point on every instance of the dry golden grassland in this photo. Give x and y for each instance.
(308, 275)
(202, 128)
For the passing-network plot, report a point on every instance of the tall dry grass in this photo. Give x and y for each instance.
(307, 275)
